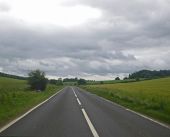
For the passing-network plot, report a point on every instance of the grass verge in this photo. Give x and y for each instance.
(15, 98)
(150, 97)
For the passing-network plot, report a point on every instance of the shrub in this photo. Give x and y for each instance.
(37, 80)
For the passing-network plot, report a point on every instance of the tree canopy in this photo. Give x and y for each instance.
(37, 80)
(150, 74)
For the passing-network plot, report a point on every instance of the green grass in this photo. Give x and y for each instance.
(111, 81)
(151, 97)
(16, 98)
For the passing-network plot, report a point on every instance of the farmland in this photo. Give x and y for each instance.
(16, 98)
(151, 97)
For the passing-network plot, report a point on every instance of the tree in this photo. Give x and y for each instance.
(37, 80)
(125, 78)
(81, 82)
(117, 78)
(101, 82)
(53, 81)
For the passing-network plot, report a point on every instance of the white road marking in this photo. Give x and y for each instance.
(93, 130)
(79, 101)
(74, 92)
(29, 111)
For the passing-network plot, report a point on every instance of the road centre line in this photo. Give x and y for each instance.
(93, 130)
(79, 101)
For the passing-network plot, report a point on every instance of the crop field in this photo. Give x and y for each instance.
(16, 98)
(150, 97)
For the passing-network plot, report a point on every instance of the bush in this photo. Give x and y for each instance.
(37, 80)
(81, 82)
(117, 78)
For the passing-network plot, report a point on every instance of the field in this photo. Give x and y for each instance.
(16, 98)
(112, 81)
(150, 97)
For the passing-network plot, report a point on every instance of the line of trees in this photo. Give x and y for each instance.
(38, 81)
(148, 74)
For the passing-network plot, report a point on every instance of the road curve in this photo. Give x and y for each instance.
(76, 113)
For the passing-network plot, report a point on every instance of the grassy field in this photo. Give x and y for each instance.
(151, 97)
(111, 81)
(16, 98)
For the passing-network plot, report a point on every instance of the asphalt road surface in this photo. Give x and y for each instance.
(77, 113)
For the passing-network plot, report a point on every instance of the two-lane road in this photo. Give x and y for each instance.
(76, 113)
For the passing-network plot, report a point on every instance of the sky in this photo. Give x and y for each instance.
(92, 39)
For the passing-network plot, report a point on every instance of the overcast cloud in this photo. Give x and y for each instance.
(113, 38)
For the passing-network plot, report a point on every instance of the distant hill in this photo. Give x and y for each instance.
(12, 76)
(148, 74)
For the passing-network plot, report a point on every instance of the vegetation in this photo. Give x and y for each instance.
(16, 97)
(81, 82)
(90, 82)
(151, 97)
(56, 82)
(117, 78)
(70, 80)
(74, 81)
(149, 74)
(37, 80)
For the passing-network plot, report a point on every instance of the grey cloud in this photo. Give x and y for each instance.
(4, 7)
(130, 35)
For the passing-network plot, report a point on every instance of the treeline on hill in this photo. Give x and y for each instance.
(148, 74)
(74, 80)
(12, 76)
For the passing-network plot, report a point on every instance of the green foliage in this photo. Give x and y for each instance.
(37, 80)
(149, 74)
(56, 82)
(151, 97)
(117, 78)
(81, 82)
(70, 80)
(125, 78)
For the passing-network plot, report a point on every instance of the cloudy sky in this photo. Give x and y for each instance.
(93, 39)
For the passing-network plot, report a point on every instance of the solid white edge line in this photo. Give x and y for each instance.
(79, 101)
(93, 130)
(137, 113)
(29, 111)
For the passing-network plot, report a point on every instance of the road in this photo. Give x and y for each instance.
(76, 113)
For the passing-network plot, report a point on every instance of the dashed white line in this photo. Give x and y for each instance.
(79, 101)
(93, 130)
(74, 93)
